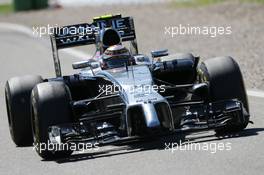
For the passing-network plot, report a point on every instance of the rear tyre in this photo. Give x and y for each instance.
(17, 95)
(50, 104)
(226, 82)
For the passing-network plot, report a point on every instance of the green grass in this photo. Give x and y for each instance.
(6, 8)
(194, 3)
(191, 3)
(258, 1)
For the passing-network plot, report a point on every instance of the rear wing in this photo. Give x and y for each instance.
(86, 34)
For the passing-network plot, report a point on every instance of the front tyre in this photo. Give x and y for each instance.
(17, 95)
(50, 106)
(225, 82)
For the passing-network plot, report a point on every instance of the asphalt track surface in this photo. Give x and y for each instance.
(21, 55)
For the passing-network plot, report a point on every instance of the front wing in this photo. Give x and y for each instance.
(198, 116)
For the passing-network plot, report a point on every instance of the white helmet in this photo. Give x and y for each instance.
(116, 56)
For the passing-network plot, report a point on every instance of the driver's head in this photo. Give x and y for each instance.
(116, 56)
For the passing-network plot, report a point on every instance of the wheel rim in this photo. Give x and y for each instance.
(33, 120)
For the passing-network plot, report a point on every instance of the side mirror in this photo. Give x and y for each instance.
(142, 59)
(84, 64)
(94, 65)
(80, 64)
(159, 53)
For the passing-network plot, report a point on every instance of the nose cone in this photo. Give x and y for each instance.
(151, 117)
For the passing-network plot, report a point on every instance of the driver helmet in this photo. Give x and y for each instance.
(116, 56)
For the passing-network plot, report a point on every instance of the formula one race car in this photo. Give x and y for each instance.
(120, 94)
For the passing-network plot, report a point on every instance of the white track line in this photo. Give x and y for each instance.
(255, 93)
(29, 32)
(16, 27)
(76, 53)
(79, 54)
